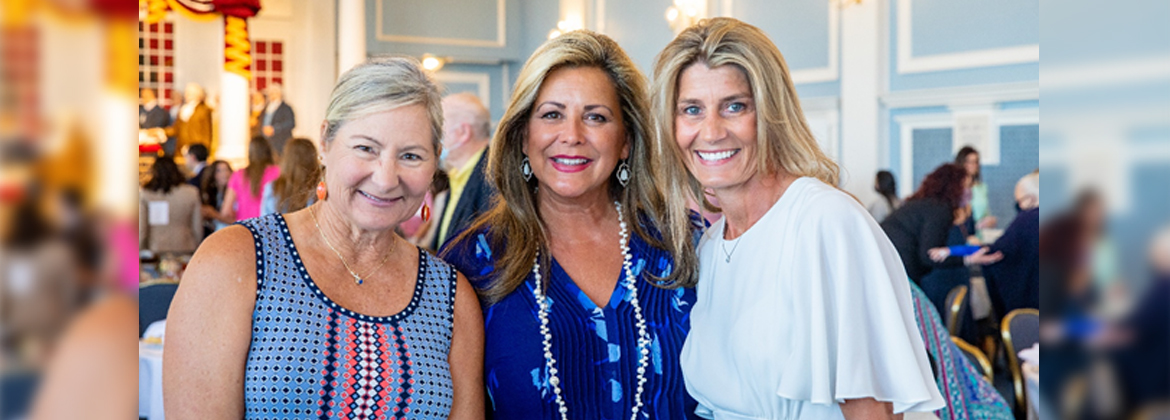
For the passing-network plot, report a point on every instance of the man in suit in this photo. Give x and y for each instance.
(466, 132)
(193, 125)
(195, 159)
(150, 115)
(278, 120)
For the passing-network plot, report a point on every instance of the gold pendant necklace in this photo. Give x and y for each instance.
(356, 278)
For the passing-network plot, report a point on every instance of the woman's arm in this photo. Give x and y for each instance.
(209, 330)
(868, 409)
(227, 211)
(197, 221)
(936, 226)
(466, 357)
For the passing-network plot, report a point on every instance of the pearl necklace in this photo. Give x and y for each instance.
(630, 283)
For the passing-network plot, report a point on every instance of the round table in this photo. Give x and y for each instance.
(150, 400)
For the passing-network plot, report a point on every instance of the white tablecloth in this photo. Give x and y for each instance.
(150, 399)
(1036, 410)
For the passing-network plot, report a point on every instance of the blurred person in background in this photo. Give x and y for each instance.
(257, 112)
(263, 300)
(150, 114)
(40, 282)
(924, 222)
(91, 374)
(246, 186)
(1141, 341)
(1014, 281)
(212, 190)
(278, 120)
(887, 187)
(300, 170)
(968, 159)
(195, 160)
(169, 215)
(193, 122)
(467, 128)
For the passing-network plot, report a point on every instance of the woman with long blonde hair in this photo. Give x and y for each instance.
(804, 310)
(586, 283)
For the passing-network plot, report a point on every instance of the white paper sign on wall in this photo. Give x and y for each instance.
(976, 128)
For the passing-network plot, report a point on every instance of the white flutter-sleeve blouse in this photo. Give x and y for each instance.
(812, 309)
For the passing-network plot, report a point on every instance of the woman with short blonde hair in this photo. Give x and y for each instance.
(325, 312)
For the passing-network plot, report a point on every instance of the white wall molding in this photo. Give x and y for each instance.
(825, 125)
(1106, 73)
(860, 75)
(908, 123)
(908, 63)
(482, 82)
(828, 73)
(832, 71)
(501, 40)
(820, 103)
(963, 96)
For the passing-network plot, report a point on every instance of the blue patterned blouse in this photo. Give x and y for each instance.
(595, 347)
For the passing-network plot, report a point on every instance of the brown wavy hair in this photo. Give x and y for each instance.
(945, 184)
(259, 159)
(299, 172)
(514, 223)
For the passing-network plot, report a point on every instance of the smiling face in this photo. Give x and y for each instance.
(379, 167)
(222, 173)
(971, 163)
(575, 134)
(715, 125)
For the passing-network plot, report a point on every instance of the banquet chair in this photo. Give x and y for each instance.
(976, 357)
(956, 306)
(1020, 329)
(154, 300)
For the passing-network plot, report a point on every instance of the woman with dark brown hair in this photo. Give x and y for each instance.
(925, 220)
(168, 211)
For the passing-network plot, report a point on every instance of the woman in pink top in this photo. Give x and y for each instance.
(243, 197)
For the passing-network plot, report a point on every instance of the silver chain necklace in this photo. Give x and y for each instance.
(727, 253)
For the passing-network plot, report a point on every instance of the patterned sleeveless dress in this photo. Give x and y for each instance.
(313, 358)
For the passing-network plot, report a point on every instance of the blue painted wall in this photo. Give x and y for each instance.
(799, 28)
(527, 25)
(641, 29)
(943, 27)
(474, 20)
(1019, 155)
(947, 26)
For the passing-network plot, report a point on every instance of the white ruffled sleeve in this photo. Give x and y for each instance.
(861, 339)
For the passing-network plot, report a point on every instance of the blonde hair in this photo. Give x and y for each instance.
(515, 218)
(379, 85)
(784, 140)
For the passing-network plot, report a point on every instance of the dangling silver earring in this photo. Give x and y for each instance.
(623, 173)
(526, 169)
